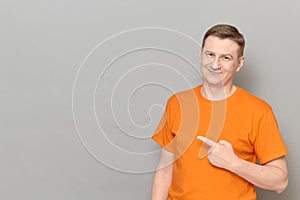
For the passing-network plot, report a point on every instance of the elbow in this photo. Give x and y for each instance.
(282, 187)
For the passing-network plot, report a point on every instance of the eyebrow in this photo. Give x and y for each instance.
(224, 54)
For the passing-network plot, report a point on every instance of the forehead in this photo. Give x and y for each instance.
(217, 45)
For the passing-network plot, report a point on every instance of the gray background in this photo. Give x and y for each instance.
(44, 155)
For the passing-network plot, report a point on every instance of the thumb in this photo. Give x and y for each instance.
(224, 142)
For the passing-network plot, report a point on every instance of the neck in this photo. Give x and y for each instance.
(216, 93)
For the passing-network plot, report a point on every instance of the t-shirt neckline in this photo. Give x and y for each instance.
(202, 98)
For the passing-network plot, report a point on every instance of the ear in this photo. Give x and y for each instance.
(241, 63)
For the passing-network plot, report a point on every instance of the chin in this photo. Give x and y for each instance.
(212, 81)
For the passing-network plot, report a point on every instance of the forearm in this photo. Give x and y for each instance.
(161, 184)
(268, 177)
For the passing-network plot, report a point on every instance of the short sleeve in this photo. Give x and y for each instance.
(269, 144)
(163, 134)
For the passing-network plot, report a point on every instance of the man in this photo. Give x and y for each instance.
(246, 148)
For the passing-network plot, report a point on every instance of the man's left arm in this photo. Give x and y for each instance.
(271, 176)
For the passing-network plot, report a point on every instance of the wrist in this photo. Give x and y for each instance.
(235, 164)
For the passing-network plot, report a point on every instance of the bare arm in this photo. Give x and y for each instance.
(163, 176)
(271, 176)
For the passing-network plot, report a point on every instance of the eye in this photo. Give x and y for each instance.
(210, 54)
(226, 57)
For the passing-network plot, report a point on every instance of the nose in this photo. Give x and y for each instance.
(216, 64)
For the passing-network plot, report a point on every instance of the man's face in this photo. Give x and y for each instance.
(220, 60)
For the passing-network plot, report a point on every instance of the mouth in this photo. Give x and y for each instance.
(214, 71)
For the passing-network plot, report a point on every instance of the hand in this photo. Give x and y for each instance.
(220, 154)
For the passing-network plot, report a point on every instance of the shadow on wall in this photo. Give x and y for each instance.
(270, 195)
(246, 77)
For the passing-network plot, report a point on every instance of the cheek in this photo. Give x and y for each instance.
(230, 68)
(206, 61)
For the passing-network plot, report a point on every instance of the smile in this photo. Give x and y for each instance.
(214, 72)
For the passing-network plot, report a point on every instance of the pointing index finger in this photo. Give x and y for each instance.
(206, 141)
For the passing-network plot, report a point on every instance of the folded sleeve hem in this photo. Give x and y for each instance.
(267, 159)
(167, 147)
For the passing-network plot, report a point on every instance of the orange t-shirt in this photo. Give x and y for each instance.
(242, 119)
